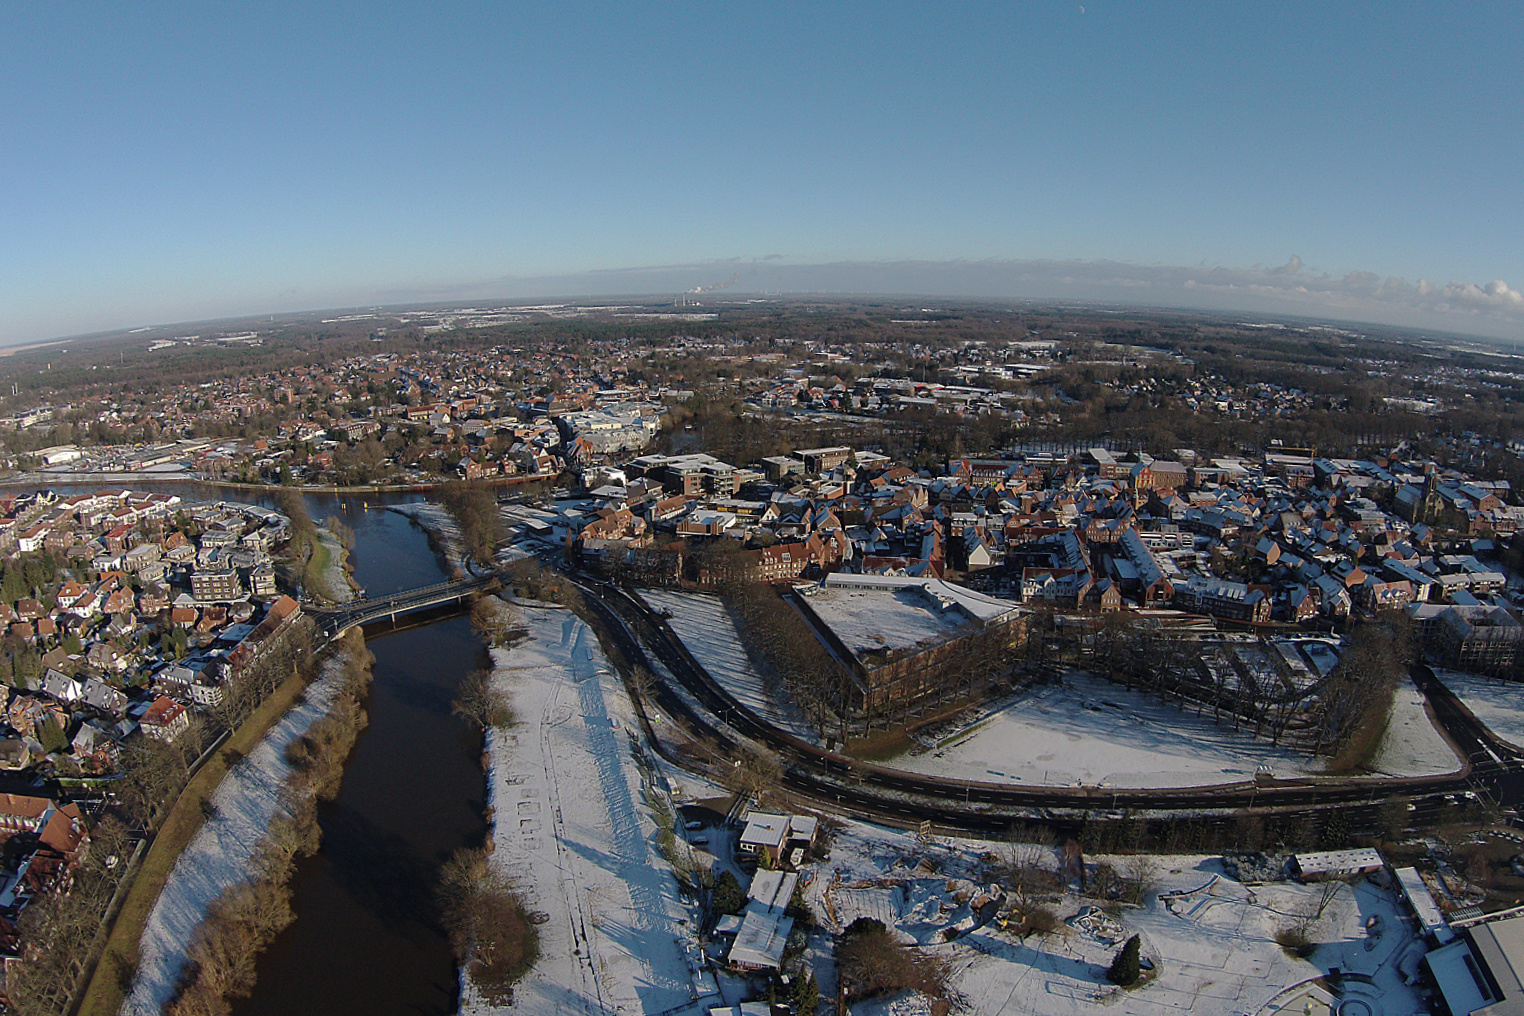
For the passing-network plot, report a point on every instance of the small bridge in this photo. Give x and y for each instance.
(334, 621)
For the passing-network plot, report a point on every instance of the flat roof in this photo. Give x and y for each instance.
(1453, 969)
(1500, 944)
(765, 829)
(1339, 860)
(1422, 901)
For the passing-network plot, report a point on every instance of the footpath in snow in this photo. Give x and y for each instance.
(709, 632)
(571, 829)
(217, 857)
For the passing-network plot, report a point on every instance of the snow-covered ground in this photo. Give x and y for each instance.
(217, 856)
(1088, 730)
(1498, 704)
(709, 632)
(570, 828)
(1412, 746)
(1210, 938)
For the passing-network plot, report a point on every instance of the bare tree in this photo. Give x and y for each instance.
(755, 771)
(479, 702)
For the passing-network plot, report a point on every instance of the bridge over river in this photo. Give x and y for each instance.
(335, 620)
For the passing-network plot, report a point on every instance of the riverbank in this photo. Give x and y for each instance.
(237, 816)
(45, 480)
(571, 830)
(335, 573)
(436, 521)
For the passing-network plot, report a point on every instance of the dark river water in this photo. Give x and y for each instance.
(366, 939)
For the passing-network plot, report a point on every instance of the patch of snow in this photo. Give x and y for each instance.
(1497, 704)
(1412, 745)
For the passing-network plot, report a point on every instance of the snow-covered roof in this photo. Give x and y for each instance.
(1322, 862)
(976, 605)
(773, 889)
(765, 829)
(1424, 908)
(764, 933)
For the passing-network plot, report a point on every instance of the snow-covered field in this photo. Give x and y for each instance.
(217, 856)
(709, 632)
(1412, 746)
(1088, 730)
(1499, 705)
(571, 829)
(1210, 938)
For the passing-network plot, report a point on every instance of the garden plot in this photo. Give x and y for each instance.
(1209, 938)
(1088, 730)
(1214, 951)
(1412, 746)
(709, 632)
(570, 829)
(1497, 704)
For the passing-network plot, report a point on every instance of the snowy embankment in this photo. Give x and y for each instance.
(570, 828)
(337, 585)
(1412, 746)
(217, 857)
(440, 524)
(708, 630)
(1497, 704)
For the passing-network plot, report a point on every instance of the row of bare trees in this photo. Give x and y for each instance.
(248, 916)
(1357, 700)
(1191, 673)
(782, 643)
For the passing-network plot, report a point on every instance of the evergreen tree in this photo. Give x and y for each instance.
(1124, 970)
(728, 897)
(806, 994)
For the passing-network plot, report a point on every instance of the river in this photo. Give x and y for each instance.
(366, 939)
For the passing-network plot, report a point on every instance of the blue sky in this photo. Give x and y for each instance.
(213, 160)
